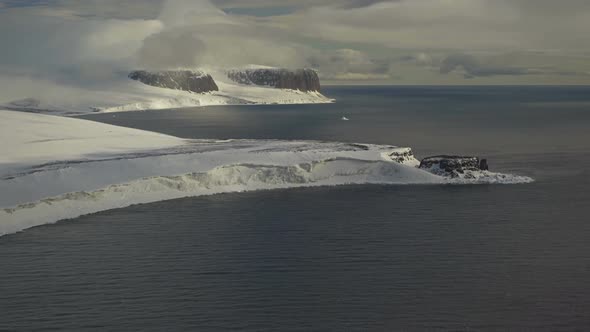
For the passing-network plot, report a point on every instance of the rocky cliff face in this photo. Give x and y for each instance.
(301, 79)
(453, 165)
(178, 80)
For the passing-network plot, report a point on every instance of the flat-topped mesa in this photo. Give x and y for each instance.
(300, 79)
(185, 80)
(453, 165)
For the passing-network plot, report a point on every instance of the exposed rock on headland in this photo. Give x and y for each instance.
(300, 79)
(177, 79)
(453, 165)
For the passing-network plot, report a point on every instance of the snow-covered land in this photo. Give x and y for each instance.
(117, 92)
(54, 168)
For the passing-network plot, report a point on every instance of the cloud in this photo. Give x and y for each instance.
(184, 33)
(448, 24)
(475, 68)
(419, 59)
(115, 9)
(436, 40)
(458, 25)
(31, 40)
(191, 12)
(348, 64)
(196, 33)
(300, 4)
(511, 65)
(171, 48)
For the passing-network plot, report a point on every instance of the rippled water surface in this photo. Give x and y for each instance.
(354, 257)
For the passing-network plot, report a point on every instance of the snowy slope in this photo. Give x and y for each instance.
(29, 138)
(54, 168)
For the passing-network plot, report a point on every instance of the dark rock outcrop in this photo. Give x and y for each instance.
(176, 79)
(402, 155)
(483, 165)
(301, 79)
(453, 165)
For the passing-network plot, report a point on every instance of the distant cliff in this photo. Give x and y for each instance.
(301, 79)
(177, 79)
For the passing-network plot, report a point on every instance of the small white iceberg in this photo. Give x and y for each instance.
(344, 118)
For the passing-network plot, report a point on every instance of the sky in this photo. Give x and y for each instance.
(434, 42)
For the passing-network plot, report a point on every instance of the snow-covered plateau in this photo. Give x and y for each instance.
(117, 92)
(54, 168)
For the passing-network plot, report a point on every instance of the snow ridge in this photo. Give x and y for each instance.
(225, 179)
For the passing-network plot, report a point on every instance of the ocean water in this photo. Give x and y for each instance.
(380, 258)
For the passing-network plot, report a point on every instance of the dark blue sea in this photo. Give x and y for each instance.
(351, 258)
